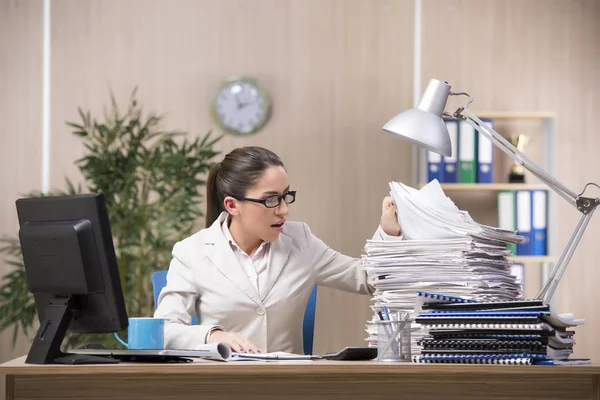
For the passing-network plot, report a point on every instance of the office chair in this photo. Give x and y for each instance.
(159, 280)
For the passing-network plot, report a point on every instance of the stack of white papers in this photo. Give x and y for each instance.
(275, 356)
(443, 251)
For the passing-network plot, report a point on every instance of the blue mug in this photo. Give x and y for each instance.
(145, 334)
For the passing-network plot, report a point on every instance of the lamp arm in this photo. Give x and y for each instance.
(559, 269)
(518, 156)
(585, 205)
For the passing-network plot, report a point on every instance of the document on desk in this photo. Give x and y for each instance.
(222, 352)
(274, 356)
(210, 351)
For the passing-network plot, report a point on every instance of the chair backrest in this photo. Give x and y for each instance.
(159, 281)
(308, 325)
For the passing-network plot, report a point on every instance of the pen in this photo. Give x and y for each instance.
(387, 328)
(387, 314)
(390, 332)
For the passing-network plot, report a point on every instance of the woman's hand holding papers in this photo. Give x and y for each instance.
(389, 219)
(237, 342)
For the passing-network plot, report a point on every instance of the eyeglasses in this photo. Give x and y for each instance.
(272, 201)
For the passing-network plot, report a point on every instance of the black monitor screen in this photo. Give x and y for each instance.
(71, 269)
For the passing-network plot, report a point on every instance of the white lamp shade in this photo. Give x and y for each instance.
(424, 125)
(423, 129)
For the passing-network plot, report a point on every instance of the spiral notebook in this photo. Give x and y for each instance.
(445, 302)
(481, 317)
(460, 360)
(493, 332)
(504, 340)
(490, 328)
(430, 344)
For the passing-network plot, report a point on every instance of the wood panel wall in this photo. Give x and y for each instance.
(20, 126)
(336, 71)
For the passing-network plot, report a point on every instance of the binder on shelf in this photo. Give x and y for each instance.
(467, 153)
(450, 163)
(524, 222)
(435, 167)
(485, 156)
(539, 223)
(507, 216)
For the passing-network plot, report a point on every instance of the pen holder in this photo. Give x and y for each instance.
(393, 341)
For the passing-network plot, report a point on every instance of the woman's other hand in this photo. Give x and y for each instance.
(234, 340)
(389, 219)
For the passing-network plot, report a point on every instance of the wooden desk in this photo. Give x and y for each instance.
(299, 380)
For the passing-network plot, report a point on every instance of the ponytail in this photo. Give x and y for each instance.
(213, 203)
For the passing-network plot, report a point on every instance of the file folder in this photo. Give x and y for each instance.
(539, 224)
(450, 164)
(524, 222)
(435, 167)
(467, 156)
(507, 216)
(485, 156)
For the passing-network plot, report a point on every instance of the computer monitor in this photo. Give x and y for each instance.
(72, 272)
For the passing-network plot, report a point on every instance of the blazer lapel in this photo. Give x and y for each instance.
(221, 255)
(280, 251)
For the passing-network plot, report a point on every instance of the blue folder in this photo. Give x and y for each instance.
(435, 167)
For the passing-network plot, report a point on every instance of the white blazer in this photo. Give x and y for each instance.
(205, 277)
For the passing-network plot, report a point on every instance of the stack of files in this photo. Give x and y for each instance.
(443, 250)
(471, 159)
(460, 330)
(527, 212)
(445, 168)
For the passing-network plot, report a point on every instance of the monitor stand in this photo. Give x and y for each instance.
(46, 345)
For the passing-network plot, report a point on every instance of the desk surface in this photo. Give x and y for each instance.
(18, 367)
(299, 380)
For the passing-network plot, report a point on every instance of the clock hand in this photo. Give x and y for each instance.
(239, 104)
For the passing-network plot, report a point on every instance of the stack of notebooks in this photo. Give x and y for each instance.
(460, 330)
(443, 251)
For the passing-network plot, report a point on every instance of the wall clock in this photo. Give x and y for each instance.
(241, 106)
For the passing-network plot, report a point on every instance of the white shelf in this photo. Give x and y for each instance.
(515, 115)
(479, 187)
(532, 259)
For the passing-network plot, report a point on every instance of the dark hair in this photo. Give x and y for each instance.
(238, 172)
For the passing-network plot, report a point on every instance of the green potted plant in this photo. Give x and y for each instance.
(153, 182)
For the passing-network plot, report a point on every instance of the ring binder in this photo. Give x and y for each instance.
(515, 327)
(505, 361)
(464, 333)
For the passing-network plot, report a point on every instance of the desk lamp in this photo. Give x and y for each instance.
(425, 127)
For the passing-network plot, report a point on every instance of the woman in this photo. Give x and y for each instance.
(249, 274)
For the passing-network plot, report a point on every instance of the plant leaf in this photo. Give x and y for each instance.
(153, 181)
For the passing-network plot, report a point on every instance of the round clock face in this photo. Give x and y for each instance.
(241, 106)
